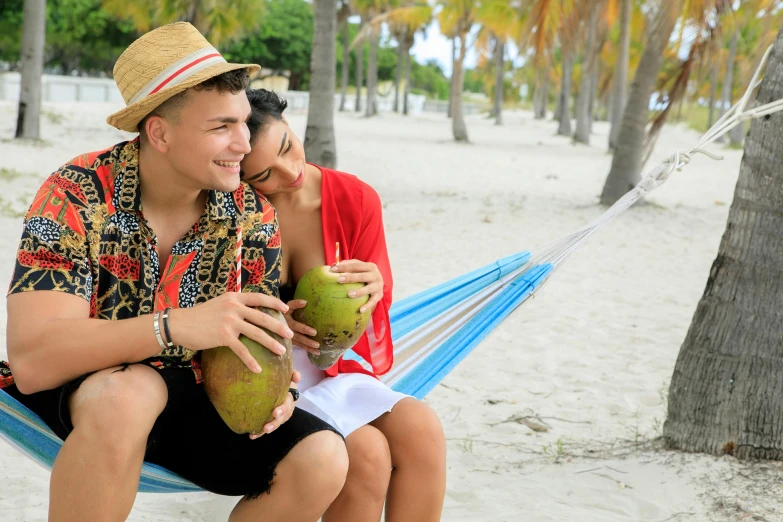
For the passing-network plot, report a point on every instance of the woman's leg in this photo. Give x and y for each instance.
(418, 452)
(369, 470)
(96, 474)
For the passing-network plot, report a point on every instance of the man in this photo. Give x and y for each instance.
(126, 269)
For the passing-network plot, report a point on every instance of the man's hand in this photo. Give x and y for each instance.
(283, 412)
(355, 271)
(301, 331)
(220, 322)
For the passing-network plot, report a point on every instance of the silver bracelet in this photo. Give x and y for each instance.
(156, 325)
(166, 331)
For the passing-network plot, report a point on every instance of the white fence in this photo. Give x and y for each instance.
(97, 90)
(63, 88)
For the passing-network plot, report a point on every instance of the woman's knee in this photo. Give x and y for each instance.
(369, 461)
(118, 403)
(416, 434)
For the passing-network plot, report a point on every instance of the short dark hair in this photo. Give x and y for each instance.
(232, 81)
(267, 107)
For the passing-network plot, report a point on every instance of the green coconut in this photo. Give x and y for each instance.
(246, 400)
(337, 318)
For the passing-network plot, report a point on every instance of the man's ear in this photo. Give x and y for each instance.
(158, 133)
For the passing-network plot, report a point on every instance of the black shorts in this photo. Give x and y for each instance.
(190, 439)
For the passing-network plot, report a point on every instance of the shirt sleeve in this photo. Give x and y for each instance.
(375, 346)
(53, 252)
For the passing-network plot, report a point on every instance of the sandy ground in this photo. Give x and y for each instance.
(590, 357)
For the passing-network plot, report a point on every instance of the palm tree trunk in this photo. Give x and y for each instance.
(565, 97)
(539, 103)
(726, 392)
(458, 126)
(406, 95)
(559, 105)
(728, 79)
(544, 95)
(372, 73)
(452, 81)
(398, 73)
(713, 94)
(620, 87)
(627, 160)
(319, 144)
(499, 79)
(594, 92)
(359, 71)
(346, 64)
(33, 41)
(583, 100)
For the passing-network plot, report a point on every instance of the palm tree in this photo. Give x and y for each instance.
(457, 17)
(412, 17)
(504, 20)
(218, 20)
(584, 113)
(713, 92)
(627, 160)
(551, 25)
(343, 14)
(620, 88)
(320, 146)
(359, 44)
(541, 94)
(401, 36)
(33, 40)
(371, 109)
(453, 39)
(564, 103)
(725, 392)
(728, 78)
(371, 11)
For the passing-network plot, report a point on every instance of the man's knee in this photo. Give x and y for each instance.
(369, 461)
(320, 460)
(119, 403)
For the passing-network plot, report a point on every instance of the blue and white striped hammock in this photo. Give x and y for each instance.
(423, 359)
(433, 330)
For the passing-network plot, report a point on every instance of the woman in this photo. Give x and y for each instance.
(396, 446)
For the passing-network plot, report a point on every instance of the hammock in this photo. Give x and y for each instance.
(436, 329)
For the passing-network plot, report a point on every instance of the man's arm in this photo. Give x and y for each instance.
(51, 340)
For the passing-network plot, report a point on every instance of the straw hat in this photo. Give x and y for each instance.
(160, 64)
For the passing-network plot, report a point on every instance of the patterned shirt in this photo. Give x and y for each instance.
(85, 234)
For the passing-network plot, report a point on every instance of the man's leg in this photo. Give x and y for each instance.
(96, 474)
(418, 452)
(369, 471)
(307, 480)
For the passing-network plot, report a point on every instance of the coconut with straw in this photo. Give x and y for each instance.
(336, 318)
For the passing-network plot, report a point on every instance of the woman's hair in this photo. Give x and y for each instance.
(267, 106)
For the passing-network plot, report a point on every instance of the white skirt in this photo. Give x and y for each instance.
(347, 401)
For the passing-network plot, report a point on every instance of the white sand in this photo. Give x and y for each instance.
(591, 356)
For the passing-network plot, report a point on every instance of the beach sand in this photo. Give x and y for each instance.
(590, 358)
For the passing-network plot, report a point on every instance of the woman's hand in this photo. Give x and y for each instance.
(220, 322)
(283, 412)
(355, 271)
(301, 331)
